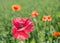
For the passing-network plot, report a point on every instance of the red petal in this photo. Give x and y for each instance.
(13, 30)
(19, 34)
(29, 27)
(22, 35)
(17, 22)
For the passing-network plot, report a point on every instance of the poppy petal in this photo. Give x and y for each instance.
(19, 34)
(17, 22)
(29, 27)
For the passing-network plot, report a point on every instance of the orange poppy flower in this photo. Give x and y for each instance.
(46, 18)
(16, 7)
(49, 18)
(34, 14)
(56, 34)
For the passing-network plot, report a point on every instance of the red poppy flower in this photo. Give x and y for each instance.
(22, 26)
(34, 14)
(56, 34)
(16, 7)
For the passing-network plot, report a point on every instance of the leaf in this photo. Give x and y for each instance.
(32, 41)
(58, 14)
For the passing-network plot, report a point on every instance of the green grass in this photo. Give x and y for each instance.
(44, 7)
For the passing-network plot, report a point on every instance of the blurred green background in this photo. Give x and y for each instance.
(44, 7)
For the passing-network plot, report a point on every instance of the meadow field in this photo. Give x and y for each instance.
(43, 31)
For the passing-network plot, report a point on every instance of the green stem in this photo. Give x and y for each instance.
(15, 40)
(45, 32)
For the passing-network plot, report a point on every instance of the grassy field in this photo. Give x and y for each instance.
(44, 7)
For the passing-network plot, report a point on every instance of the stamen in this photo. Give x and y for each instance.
(21, 26)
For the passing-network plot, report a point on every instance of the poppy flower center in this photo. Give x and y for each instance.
(15, 8)
(48, 17)
(44, 17)
(21, 26)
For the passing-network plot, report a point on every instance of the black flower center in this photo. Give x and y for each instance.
(21, 26)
